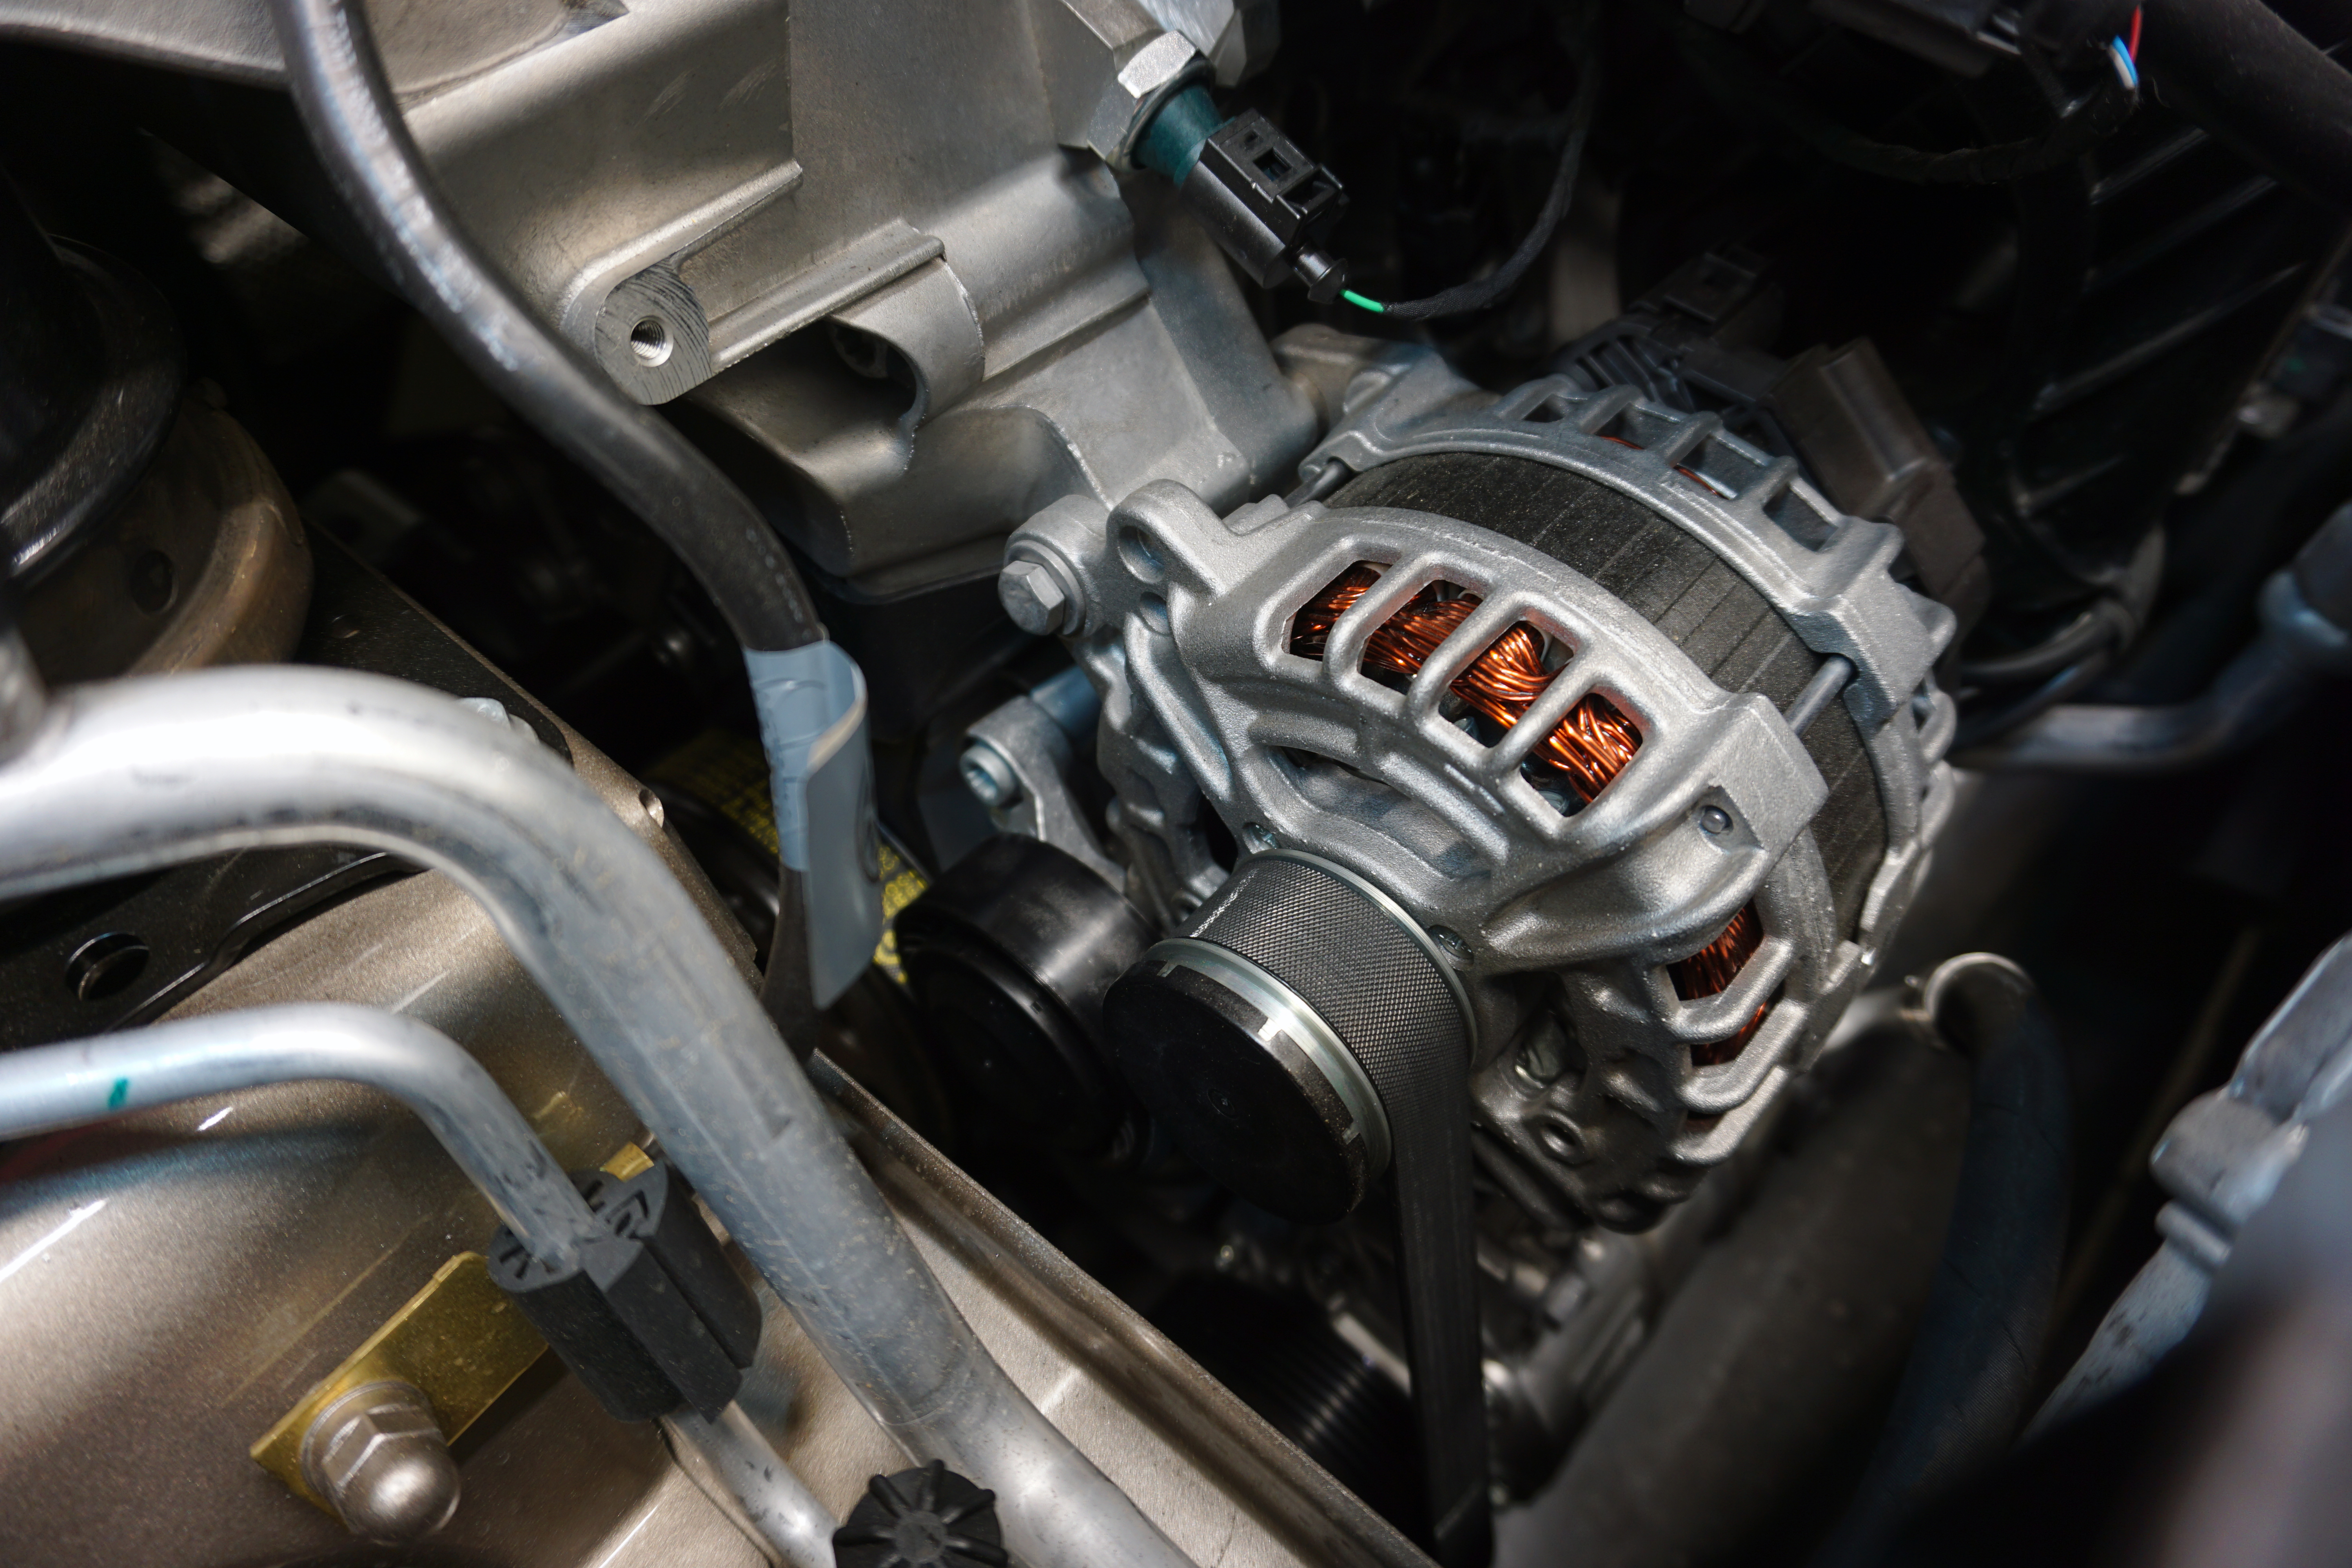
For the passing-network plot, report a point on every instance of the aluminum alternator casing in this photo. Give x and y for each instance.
(1563, 926)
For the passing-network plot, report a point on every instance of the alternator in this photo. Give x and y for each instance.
(1634, 725)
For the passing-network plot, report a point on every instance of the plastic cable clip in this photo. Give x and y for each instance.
(652, 1317)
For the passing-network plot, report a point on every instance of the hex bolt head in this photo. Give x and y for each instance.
(1715, 819)
(1034, 597)
(989, 776)
(378, 1456)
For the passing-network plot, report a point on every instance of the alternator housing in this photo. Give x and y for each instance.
(1691, 583)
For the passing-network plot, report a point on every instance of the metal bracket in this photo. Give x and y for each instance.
(1015, 762)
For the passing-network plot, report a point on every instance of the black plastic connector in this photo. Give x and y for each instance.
(1268, 205)
(654, 1319)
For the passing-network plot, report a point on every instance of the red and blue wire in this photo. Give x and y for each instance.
(2125, 50)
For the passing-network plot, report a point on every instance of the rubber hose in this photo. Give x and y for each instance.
(2253, 82)
(339, 86)
(1965, 1387)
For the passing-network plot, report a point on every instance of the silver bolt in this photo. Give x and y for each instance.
(1450, 943)
(1715, 819)
(1257, 839)
(378, 1456)
(990, 777)
(1033, 596)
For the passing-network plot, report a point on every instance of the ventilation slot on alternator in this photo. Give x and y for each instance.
(1710, 971)
(1571, 766)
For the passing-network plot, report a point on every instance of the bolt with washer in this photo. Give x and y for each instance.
(989, 776)
(1034, 596)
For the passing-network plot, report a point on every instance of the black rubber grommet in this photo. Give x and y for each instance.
(926, 1518)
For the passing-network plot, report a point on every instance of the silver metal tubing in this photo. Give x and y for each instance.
(49, 1086)
(774, 1503)
(2300, 645)
(137, 773)
(84, 1081)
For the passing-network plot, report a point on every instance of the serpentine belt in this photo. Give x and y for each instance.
(1357, 958)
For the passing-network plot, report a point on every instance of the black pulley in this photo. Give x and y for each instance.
(1301, 1038)
(1010, 953)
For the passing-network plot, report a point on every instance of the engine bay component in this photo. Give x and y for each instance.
(378, 1457)
(1683, 589)
(97, 349)
(649, 1316)
(1014, 949)
(473, 797)
(919, 1516)
(1395, 807)
(1300, 1036)
(2219, 1163)
(1268, 205)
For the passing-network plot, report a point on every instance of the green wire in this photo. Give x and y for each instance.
(1374, 306)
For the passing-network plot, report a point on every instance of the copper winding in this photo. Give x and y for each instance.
(1711, 970)
(1588, 748)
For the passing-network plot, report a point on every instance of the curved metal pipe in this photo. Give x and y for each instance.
(2259, 689)
(64, 1085)
(775, 1504)
(356, 127)
(47, 1087)
(137, 773)
(22, 695)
